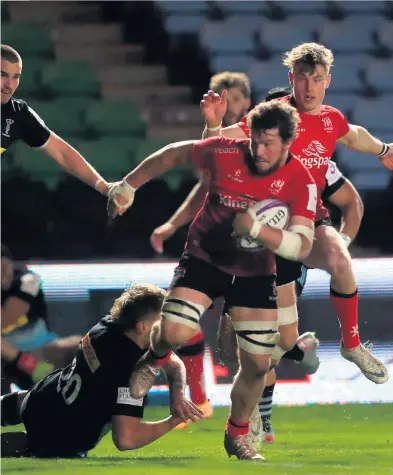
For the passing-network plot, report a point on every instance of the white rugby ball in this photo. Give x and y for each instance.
(270, 212)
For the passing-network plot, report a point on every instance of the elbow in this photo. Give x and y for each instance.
(122, 443)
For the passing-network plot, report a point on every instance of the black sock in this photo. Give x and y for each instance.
(10, 414)
(295, 354)
(266, 402)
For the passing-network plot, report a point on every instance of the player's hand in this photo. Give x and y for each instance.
(387, 159)
(242, 224)
(161, 234)
(213, 108)
(120, 197)
(182, 409)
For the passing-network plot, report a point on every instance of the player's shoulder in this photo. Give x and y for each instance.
(27, 281)
(224, 145)
(331, 111)
(18, 106)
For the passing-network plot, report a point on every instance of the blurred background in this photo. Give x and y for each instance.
(119, 80)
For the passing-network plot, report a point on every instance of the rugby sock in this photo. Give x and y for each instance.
(266, 402)
(236, 428)
(346, 307)
(9, 410)
(296, 354)
(192, 354)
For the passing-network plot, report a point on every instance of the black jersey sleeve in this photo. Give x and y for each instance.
(334, 180)
(34, 131)
(126, 405)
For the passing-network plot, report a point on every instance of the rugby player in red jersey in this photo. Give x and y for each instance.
(214, 264)
(320, 128)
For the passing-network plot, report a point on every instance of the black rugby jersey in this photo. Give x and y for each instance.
(69, 411)
(21, 122)
(26, 286)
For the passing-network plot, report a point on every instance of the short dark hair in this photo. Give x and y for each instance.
(5, 252)
(135, 303)
(10, 54)
(274, 114)
(277, 92)
(228, 80)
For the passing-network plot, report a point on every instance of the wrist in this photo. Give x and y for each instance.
(213, 127)
(102, 186)
(384, 151)
(347, 240)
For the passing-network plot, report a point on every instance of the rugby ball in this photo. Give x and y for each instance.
(270, 212)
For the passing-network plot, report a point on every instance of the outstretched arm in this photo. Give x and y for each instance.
(73, 162)
(121, 194)
(360, 139)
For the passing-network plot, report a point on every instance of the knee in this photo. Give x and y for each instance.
(339, 263)
(255, 366)
(174, 334)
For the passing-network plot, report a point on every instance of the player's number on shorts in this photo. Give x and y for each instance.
(71, 389)
(312, 197)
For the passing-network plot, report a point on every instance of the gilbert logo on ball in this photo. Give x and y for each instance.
(270, 212)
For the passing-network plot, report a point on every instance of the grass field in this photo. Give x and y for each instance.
(312, 440)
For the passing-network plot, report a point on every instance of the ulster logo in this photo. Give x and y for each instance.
(276, 186)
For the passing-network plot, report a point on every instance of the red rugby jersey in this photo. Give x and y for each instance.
(315, 143)
(233, 188)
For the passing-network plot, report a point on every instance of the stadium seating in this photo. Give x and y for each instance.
(114, 118)
(29, 40)
(109, 98)
(70, 78)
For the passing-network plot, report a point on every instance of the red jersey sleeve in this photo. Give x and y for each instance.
(342, 125)
(203, 152)
(304, 195)
(243, 125)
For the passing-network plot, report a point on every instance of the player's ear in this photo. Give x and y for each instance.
(140, 327)
(290, 77)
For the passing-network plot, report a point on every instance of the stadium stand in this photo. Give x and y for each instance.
(118, 91)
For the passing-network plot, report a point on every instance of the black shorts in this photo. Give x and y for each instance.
(40, 432)
(289, 271)
(250, 292)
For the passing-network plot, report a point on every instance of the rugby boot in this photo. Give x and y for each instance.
(309, 343)
(372, 367)
(267, 430)
(255, 433)
(241, 447)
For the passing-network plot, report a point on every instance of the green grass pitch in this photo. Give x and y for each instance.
(311, 440)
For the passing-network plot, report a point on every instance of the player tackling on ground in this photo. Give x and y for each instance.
(69, 411)
(320, 128)
(214, 264)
